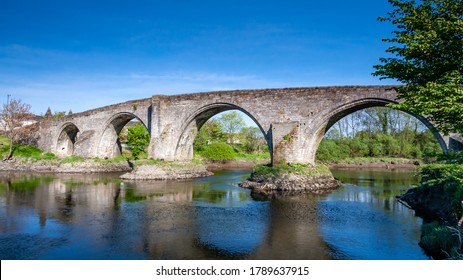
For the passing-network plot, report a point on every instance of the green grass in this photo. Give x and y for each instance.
(117, 159)
(286, 169)
(72, 159)
(253, 157)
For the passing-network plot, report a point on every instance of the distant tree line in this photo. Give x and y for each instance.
(378, 132)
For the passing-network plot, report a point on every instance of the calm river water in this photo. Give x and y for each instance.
(102, 217)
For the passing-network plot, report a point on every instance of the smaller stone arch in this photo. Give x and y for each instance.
(184, 147)
(109, 145)
(66, 140)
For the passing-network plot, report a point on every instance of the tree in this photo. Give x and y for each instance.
(209, 133)
(427, 50)
(13, 115)
(48, 114)
(252, 142)
(138, 138)
(232, 123)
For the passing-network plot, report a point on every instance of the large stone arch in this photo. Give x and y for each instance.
(191, 126)
(326, 121)
(109, 145)
(66, 140)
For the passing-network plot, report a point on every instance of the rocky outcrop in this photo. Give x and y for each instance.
(167, 172)
(292, 183)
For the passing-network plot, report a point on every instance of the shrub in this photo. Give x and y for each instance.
(26, 151)
(218, 151)
(439, 240)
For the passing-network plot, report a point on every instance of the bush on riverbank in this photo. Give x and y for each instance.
(438, 200)
(442, 242)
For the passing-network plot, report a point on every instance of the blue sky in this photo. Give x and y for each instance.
(82, 54)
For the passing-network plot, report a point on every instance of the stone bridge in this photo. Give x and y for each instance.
(292, 120)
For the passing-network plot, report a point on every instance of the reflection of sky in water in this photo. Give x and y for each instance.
(364, 221)
(231, 230)
(227, 219)
(357, 231)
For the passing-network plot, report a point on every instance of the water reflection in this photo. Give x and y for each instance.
(102, 217)
(363, 220)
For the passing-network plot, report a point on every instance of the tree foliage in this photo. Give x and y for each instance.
(378, 132)
(427, 57)
(138, 139)
(210, 132)
(228, 131)
(232, 123)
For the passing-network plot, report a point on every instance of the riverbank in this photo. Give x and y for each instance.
(376, 163)
(134, 170)
(439, 201)
(213, 165)
(66, 165)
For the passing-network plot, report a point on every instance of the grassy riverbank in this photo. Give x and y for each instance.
(438, 200)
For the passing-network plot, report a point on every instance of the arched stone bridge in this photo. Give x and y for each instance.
(292, 120)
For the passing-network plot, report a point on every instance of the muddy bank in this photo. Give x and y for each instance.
(431, 204)
(377, 165)
(232, 164)
(434, 206)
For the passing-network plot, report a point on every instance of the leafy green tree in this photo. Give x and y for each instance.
(232, 123)
(252, 140)
(427, 57)
(209, 133)
(138, 138)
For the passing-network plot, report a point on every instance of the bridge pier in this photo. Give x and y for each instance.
(294, 142)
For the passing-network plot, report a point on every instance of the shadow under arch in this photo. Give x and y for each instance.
(326, 122)
(110, 145)
(66, 140)
(190, 128)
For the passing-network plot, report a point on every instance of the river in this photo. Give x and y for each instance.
(101, 217)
